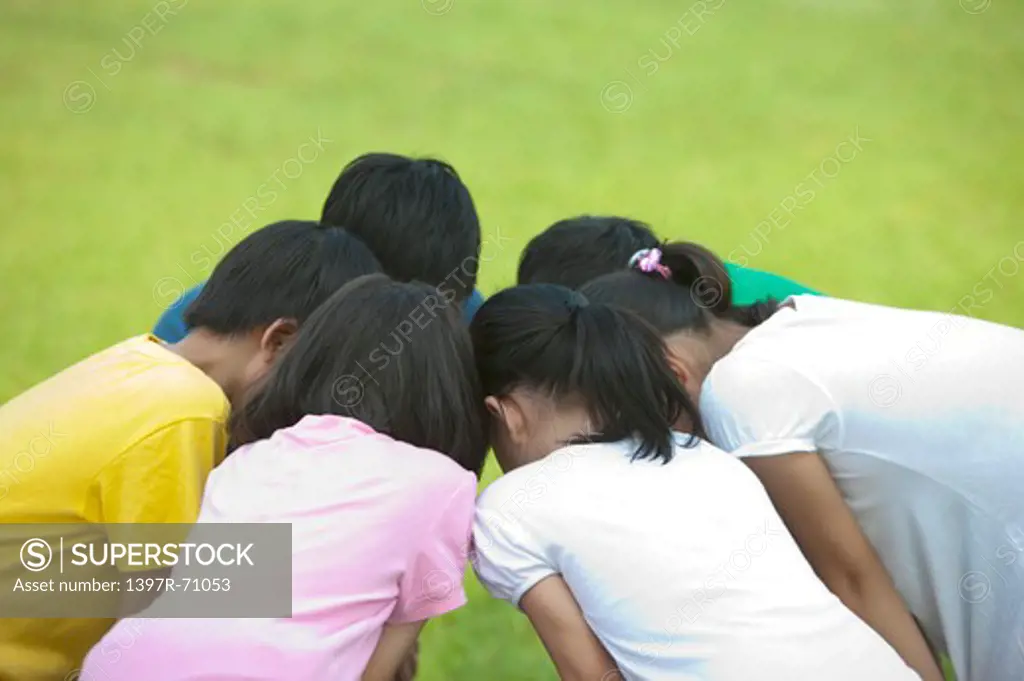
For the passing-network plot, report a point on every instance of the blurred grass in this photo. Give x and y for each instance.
(744, 103)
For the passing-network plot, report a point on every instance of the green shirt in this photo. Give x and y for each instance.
(750, 286)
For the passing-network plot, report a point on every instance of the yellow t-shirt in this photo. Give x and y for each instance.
(127, 435)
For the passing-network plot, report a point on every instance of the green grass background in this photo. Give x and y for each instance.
(104, 205)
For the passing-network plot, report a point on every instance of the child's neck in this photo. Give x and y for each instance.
(724, 337)
(219, 357)
(703, 349)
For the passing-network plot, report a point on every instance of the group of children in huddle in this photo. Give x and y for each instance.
(701, 480)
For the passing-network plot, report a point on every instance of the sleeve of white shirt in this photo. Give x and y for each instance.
(753, 407)
(507, 559)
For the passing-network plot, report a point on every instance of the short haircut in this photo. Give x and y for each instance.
(362, 356)
(284, 270)
(415, 214)
(571, 252)
(550, 339)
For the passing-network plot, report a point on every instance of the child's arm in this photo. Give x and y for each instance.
(577, 653)
(392, 651)
(774, 417)
(803, 491)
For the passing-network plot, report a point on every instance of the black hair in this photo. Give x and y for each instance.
(391, 355)
(697, 291)
(571, 252)
(548, 338)
(415, 214)
(284, 270)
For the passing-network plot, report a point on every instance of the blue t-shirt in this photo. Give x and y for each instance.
(171, 325)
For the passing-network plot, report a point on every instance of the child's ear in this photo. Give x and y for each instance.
(679, 368)
(513, 415)
(508, 412)
(277, 337)
(493, 405)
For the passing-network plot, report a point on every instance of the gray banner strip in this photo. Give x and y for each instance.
(101, 571)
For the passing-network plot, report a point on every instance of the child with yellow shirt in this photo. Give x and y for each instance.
(129, 434)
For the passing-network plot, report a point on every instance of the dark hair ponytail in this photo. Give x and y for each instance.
(699, 271)
(550, 339)
(682, 286)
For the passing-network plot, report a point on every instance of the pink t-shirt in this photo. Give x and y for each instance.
(380, 534)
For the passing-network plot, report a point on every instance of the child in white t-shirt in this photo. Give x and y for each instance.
(638, 552)
(891, 441)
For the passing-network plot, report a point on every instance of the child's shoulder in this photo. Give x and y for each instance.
(381, 452)
(141, 378)
(185, 392)
(496, 493)
(529, 485)
(425, 477)
(428, 466)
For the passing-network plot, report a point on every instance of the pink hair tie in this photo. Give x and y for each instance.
(649, 260)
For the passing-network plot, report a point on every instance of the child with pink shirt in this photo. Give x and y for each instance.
(367, 437)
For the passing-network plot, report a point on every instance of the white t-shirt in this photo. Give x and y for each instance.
(920, 418)
(682, 570)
